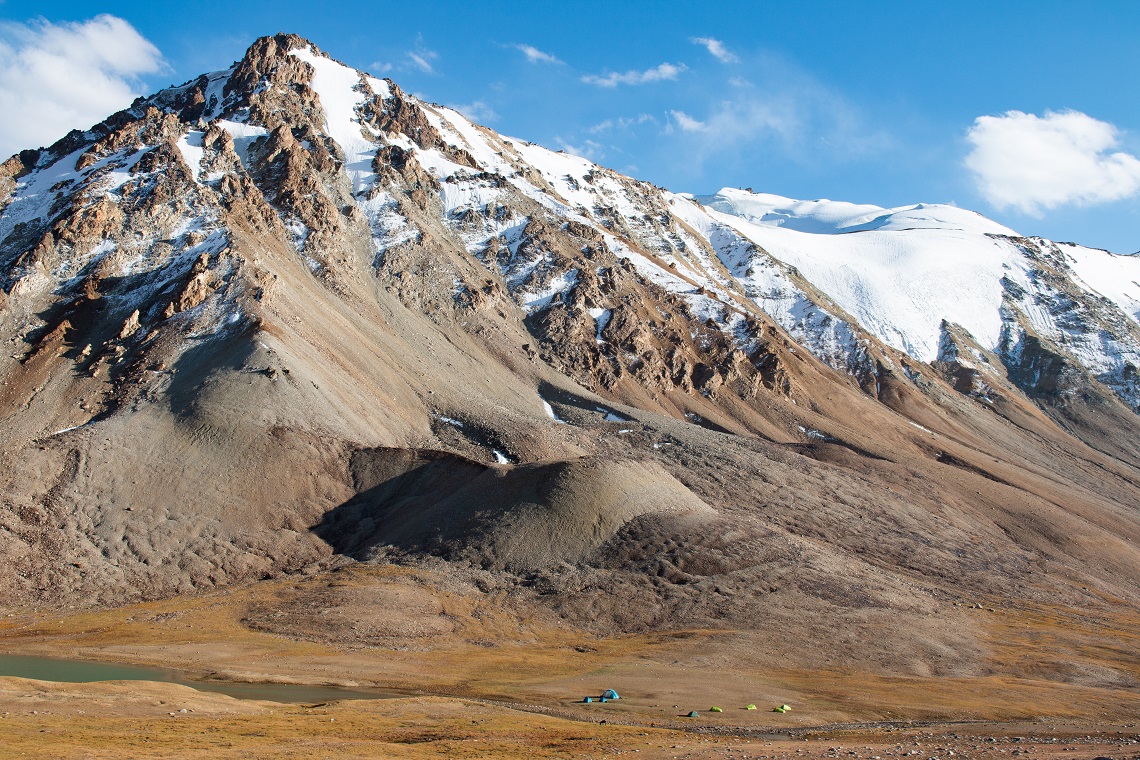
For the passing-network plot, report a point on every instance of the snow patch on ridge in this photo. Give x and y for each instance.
(190, 146)
(243, 135)
(342, 94)
(1046, 295)
(1111, 275)
(537, 300)
(601, 318)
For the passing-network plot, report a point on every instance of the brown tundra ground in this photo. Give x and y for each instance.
(499, 684)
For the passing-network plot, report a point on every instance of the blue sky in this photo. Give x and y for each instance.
(865, 102)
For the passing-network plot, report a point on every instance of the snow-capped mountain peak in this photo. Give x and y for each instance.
(847, 281)
(825, 217)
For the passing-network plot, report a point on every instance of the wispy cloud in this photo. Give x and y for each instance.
(790, 112)
(716, 48)
(422, 57)
(688, 123)
(379, 67)
(422, 60)
(737, 122)
(659, 73)
(534, 55)
(59, 77)
(588, 149)
(622, 122)
(1035, 163)
(477, 111)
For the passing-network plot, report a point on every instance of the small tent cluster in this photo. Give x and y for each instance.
(608, 695)
(715, 709)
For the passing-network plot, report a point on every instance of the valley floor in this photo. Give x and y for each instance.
(39, 719)
(485, 680)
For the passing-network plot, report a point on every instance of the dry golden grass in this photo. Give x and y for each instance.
(1050, 641)
(1043, 663)
(206, 635)
(146, 721)
(74, 725)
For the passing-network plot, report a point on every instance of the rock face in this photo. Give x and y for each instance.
(287, 315)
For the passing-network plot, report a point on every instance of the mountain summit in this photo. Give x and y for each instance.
(287, 317)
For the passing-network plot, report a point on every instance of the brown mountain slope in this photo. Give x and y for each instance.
(228, 368)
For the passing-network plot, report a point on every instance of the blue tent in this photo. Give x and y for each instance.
(610, 694)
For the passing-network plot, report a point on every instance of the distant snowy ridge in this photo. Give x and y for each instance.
(901, 273)
(834, 217)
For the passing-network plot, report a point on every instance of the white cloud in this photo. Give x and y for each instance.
(716, 48)
(477, 111)
(589, 150)
(534, 55)
(688, 123)
(1031, 163)
(59, 77)
(738, 122)
(379, 67)
(781, 109)
(622, 122)
(659, 73)
(422, 59)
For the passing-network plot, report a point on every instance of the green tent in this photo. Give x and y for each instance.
(693, 714)
(781, 709)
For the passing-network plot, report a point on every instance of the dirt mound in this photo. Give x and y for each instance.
(521, 517)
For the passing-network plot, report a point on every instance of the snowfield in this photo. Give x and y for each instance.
(898, 284)
(903, 271)
(831, 217)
